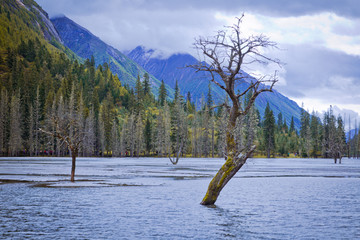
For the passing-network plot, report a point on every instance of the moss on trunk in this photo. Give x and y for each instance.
(223, 176)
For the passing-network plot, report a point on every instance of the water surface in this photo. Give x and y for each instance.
(149, 198)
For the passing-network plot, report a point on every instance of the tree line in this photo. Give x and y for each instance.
(38, 86)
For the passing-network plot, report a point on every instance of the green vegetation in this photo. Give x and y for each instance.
(40, 82)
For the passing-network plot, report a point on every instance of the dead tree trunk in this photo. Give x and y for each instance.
(73, 167)
(74, 154)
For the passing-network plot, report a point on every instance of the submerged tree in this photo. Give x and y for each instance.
(225, 55)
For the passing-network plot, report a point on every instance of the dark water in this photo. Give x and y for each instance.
(149, 198)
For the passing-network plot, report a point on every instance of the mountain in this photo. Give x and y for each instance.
(174, 68)
(23, 20)
(86, 45)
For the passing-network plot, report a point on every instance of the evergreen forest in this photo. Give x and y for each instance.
(43, 82)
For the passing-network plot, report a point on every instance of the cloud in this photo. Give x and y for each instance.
(127, 24)
(321, 38)
(171, 25)
(276, 8)
(331, 77)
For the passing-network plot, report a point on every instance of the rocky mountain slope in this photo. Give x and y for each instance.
(85, 44)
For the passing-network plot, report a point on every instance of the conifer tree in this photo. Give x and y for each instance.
(269, 131)
(162, 93)
(280, 121)
(305, 122)
(292, 125)
(146, 84)
(177, 91)
(315, 131)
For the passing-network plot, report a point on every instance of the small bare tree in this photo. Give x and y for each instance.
(73, 141)
(225, 55)
(68, 127)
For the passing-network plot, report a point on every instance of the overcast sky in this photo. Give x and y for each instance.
(320, 39)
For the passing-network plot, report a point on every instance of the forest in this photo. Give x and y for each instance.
(43, 84)
(115, 120)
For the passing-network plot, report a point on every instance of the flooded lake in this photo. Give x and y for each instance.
(149, 198)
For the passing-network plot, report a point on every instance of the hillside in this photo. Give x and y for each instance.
(174, 68)
(24, 20)
(86, 45)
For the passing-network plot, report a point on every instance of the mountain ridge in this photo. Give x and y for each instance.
(85, 44)
(174, 68)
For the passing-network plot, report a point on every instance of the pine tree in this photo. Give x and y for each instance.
(292, 125)
(315, 127)
(305, 122)
(341, 138)
(269, 131)
(280, 121)
(177, 91)
(146, 85)
(162, 93)
(138, 95)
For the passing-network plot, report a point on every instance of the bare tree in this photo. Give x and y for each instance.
(66, 125)
(225, 55)
(73, 140)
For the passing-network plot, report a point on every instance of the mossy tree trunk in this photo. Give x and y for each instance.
(223, 176)
(234, 161)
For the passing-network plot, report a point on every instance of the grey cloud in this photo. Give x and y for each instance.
(349, 30)
(347, 8)
(172, 25)
(321, 73)
(127, 24)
